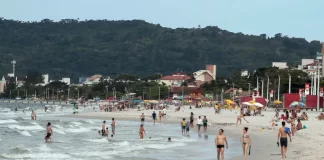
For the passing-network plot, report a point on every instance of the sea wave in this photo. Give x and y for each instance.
(25, 133)
(27, 128)
(44, 148)
(76, 123)
(59, 131)
(7, 121)
(101, 140)
(78, 130)
(37, 156)
(164, 146)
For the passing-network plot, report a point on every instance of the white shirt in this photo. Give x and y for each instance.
(199, 121)
(164, 111)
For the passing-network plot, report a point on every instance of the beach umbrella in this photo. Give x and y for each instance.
(258, 104)
(296, 103)
(277, 102)
(246, 103)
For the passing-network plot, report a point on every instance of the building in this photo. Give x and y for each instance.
(95, 79)
(207, 75)
(66, 80)
(244, 73)
(20, 81)
(46, 78)
(280, 65)
(175, 80)
(82, 79)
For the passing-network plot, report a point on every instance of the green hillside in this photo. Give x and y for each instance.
(81, 48)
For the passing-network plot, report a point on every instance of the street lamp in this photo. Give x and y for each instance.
(318, 86)
(278, 87)
(262, 88)
(159, 94)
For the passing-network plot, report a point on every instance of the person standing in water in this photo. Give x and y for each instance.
(154, 117)
(106, 132)
(187, 127)
(205, 123)
(220, 140)
(49, 132)
(191, 120)
(183, 126)
(33, 116)
(103, 126)
(282, 134)
(113, 124)
(246, 142)
(199, 124)
(141, 131)
(160, 116)
(142, 118)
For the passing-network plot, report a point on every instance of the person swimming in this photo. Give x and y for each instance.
(169, 139)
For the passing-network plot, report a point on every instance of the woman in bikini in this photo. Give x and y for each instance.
(141, 132)
(160, 116)
(293, 125)
(239, 119)
(246, 142)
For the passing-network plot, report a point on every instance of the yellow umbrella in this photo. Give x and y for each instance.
(252, 101)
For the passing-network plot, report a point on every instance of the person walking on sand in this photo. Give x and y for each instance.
(205, 123)
(33, 116)
(183, 126)
(142, 131)
(220, 140)
(160, 116)
(113, 125)
(49, 132)
(191, 120)
(142, 118)
(199, 124)
(282, 135)
(239, 119)
(103, 126)
(246, 142)
(154, 117)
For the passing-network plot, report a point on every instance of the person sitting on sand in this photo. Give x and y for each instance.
(239, 119)
(320, 117)
(141, 131)
(299, 125)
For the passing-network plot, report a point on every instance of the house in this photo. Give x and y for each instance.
(20, 81)
(280, 65)
(207, 75)
(176, 79)
(95, 79)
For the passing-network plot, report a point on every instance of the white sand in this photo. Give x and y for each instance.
(307, 144)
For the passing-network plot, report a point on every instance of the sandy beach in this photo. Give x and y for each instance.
(306, 144)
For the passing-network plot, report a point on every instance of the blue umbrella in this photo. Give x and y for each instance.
(295, 103)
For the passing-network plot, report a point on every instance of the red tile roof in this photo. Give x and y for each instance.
(312, 64)
(175, 78)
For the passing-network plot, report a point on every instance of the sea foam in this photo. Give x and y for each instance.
(27, 128)
(25, 133)
(7, 121)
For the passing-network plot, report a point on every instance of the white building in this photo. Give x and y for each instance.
(280, 65)
(46, 78)
(244, 73)
(95, 79)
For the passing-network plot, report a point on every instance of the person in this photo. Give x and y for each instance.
(239, 119)
(205, 122)
(183, 126)
(169, 139)
(299, 125)
(282, 134)
(220, 140)
(187, 127)
(142, 118)
(293, 125)
(160, 116)
(106, 132)
(191, 120)
(99, 133)
(246, 142)
(287, 114)
(45, 109)
(154, 117)
(113, 125)
(141, 131)
(49, 132)
(103, 126)
(164, 112)
(33, 116)
(199, 123)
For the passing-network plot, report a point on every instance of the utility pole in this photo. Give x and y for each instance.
(143, 95)
(106, 92)
(233, 92)
(57, 94)
(257, 84)
(159, 94)
(289, 83)
(279, 87)
(312, 85)
(222, 98)
(18, 93)
(79, 94)
(268, 88)
(249, 88)
(35, 94)
(318, 87)
(262, 88)
(68, 94)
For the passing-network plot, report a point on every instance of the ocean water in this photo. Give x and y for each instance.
(78, 139)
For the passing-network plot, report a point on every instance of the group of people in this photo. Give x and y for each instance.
(221, 143)
(104, 129)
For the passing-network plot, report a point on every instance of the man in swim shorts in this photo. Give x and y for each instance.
(103, 126)
(154, 116)
(282, 135)
(205, 122)
(48, 132)
(219, 142)
(113, 124)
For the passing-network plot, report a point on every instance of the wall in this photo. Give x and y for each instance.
(212, 69)
(289, 98)
(311, 101)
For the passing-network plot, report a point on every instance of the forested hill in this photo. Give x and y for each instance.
(81, 48)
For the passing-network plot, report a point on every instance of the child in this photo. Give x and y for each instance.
(187, 127)
(106, 132)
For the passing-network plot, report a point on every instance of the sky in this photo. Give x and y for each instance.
(295, 18)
